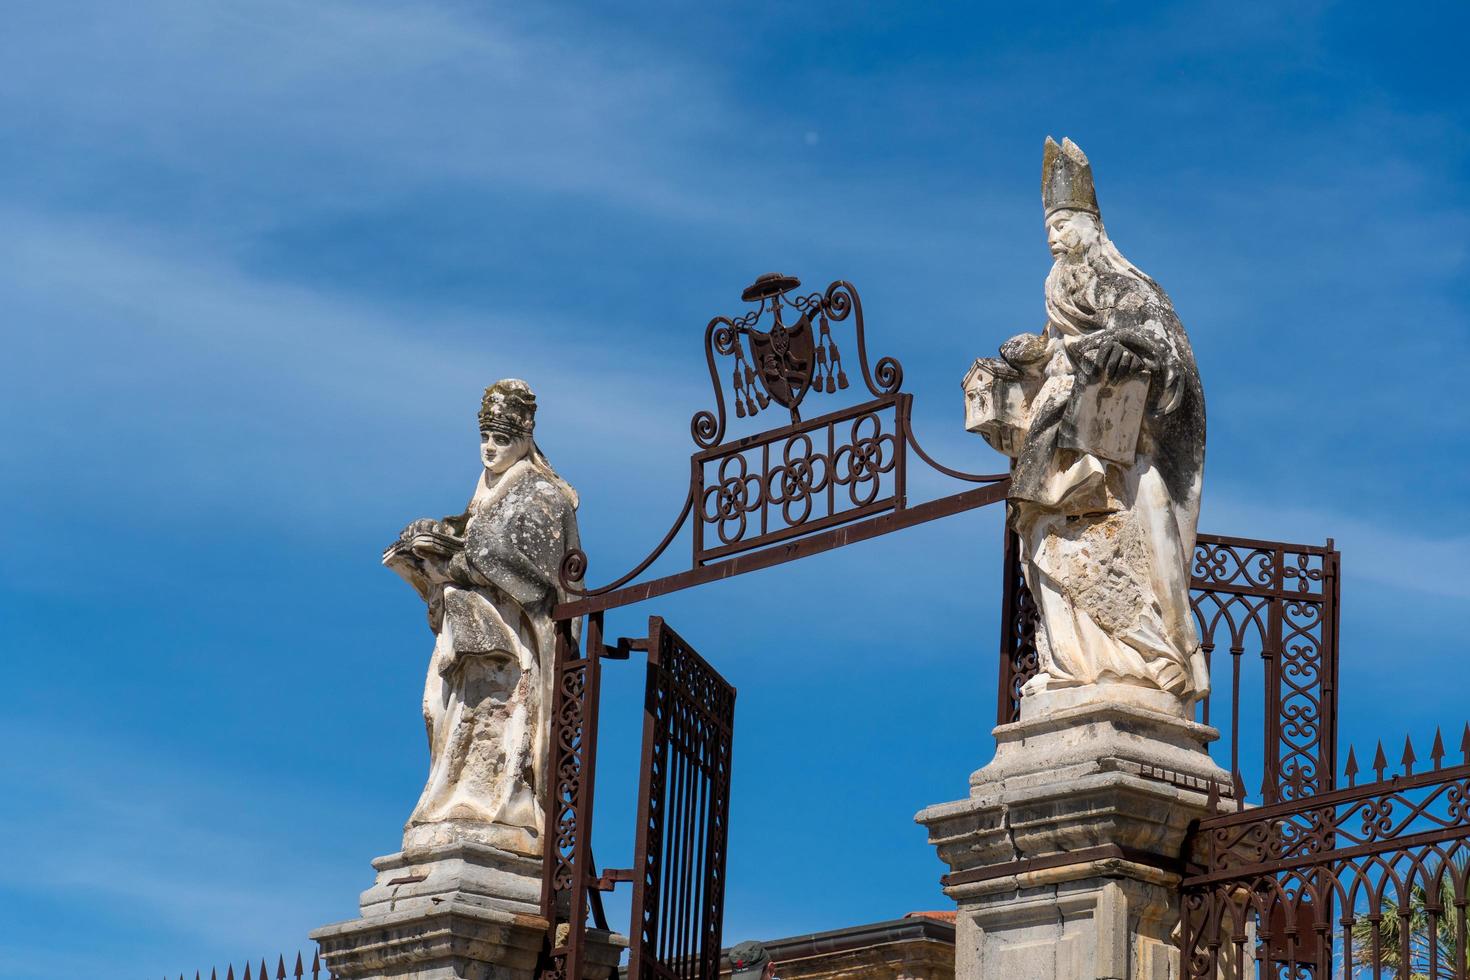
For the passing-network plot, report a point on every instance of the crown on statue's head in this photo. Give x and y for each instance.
(1066, 178)
(509, 406)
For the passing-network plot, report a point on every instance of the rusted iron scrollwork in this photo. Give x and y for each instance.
(831, 480)
(1276, 599)
(1019, 619)
(1368, 881)
(787, 361)
(568, 839)
(756, 500)
(1282, 600)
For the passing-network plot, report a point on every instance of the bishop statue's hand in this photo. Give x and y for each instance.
(1110, 361)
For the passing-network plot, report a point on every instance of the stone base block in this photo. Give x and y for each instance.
(1065, 858)
(464, 873)
(1094, 927)
(458, 911)
(453, 942)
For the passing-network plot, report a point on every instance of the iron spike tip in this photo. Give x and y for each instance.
(1436, 751)
(1409, 758)
(280, 968)
(299, 973)
(1380, 761)
(1465, 743)
(247, 971)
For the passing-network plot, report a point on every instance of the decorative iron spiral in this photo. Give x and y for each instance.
(573, 568)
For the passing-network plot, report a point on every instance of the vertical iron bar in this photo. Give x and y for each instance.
(1433, 912)
(701, 857)
(582, 849)
(1331, 593)
(900, 449)
(719, 838)
(1460, 937)
(701, 849)
(696, 479)
(765, 494)
(1405, 936)
(1271, 652)
(686, 812)
(1010, 567)
(831, 468)
(1235, 655)
(1376, 948)
(650, 813)
(674, 840)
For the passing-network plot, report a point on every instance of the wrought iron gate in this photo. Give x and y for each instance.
(678, 872)
(683, 813)
(1368, 881)
(1272, 598)
(753, 501)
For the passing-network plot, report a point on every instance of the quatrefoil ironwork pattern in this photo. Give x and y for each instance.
(837, 468)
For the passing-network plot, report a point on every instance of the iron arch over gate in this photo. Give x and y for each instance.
(754, 501)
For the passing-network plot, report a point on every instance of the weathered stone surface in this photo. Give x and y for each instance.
(997, 403)
(490, 577)
(1065, 856)
(1104, 415)
(463, 873)
(452, 941)
(915, 947)
(1104, 420)
(461, 901)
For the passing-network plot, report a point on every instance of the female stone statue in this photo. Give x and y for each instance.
(1106, 537)
(490, 578)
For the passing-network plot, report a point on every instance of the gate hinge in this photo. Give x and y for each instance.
(610, 877)
(625, 647)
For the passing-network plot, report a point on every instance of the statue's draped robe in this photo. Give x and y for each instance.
(1107, 547)
(489, 687)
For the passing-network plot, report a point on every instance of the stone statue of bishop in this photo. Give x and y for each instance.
(1107, 430)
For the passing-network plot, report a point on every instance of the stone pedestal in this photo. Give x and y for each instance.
(1065, 859)
(461, 911)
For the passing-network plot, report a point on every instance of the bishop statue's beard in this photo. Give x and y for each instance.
(1076, 298)
(1071, 295)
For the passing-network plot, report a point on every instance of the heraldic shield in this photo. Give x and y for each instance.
(784, 359)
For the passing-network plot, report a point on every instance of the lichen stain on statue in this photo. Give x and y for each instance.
(1104, 416)
(490, 579)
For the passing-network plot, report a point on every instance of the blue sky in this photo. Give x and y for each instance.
(258, 260)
